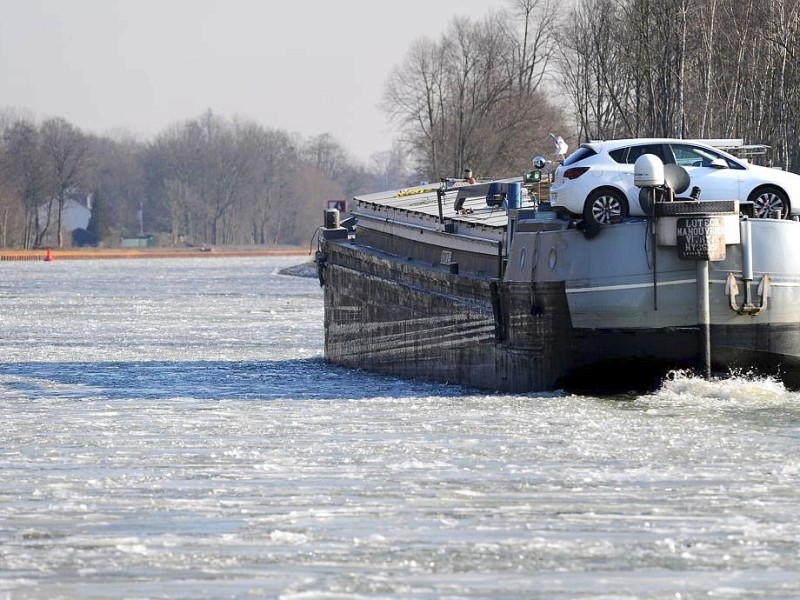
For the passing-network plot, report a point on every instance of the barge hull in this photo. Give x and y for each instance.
(400, 318)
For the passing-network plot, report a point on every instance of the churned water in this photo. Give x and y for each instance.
(170, 430)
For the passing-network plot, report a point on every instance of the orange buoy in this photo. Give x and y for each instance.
(49, 256)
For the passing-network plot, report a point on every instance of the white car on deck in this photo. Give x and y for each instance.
(596, 181)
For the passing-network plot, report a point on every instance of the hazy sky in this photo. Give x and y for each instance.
(305, 66)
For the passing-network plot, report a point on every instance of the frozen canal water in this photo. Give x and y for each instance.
(170, 430)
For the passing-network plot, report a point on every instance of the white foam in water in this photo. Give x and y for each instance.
(171, 430)
(741, 385)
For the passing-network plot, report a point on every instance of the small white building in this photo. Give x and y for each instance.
(76, 214)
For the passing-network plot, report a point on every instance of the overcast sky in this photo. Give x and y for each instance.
(304, 66)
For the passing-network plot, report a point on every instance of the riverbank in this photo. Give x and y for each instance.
(108, 253)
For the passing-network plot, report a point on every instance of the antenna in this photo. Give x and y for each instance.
(676, 178)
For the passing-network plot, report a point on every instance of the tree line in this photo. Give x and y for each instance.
(699, 69)
(210, 180)
(487, 94)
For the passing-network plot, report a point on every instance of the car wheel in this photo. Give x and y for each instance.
(605, 206)
(769, 199)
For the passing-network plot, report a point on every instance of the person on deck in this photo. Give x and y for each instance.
(468, 176)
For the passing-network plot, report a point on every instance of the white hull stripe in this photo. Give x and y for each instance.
(635, 286)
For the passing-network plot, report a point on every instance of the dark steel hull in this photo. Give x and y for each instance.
(394, 316)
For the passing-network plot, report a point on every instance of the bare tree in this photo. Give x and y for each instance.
(473, 99)
(21, 167)
(597, 74)
(274, 163)
(415, 97)
(65, 150)
(119, 175)
(537, 46)
(326, 154)
(225, 168)
(299, 221)
(781, 32)
(391, 168)
(175, 165)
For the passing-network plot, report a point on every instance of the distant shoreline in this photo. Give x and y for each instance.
(117, 253)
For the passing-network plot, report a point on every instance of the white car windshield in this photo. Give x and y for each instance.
(687, 155)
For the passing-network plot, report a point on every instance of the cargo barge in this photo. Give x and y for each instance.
(485, 286)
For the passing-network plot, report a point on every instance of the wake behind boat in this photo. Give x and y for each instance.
(483, 285)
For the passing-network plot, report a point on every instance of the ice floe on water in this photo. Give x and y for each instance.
(171, 430)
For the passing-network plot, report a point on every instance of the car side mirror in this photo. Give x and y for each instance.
(718, 163)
